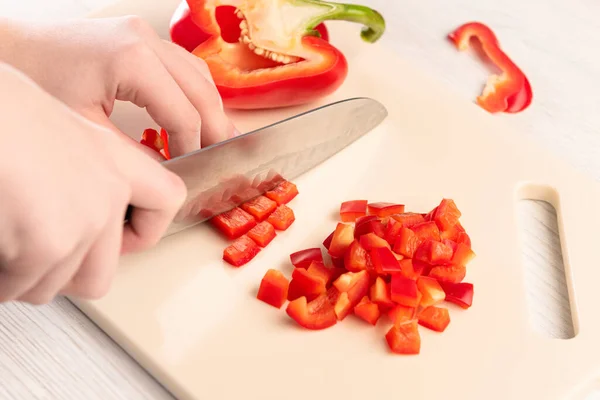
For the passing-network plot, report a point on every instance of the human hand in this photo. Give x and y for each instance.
(88, 64)
(66, 184)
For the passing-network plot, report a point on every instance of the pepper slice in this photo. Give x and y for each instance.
(316, 315)
(460, 294)
(510, 92)
(273, 288)
(279, 60)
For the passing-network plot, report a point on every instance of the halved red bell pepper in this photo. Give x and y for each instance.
(234, 223)
(385, 209)
(510, 92)
(315, 315)
(259, 207)
(435, 318)
(367, 310)
(273, 288)
(283, 193)
(459, 293)
(241, 251)
(282, 217)
(404, 338)
(303, 258)
(262, 234)
(275, 63)
(353, 209)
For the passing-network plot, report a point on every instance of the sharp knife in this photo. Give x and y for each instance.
(223, 176)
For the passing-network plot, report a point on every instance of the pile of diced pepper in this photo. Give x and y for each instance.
(380, 262)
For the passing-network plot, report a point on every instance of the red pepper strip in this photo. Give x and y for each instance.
(273, 288)
(459, 293)
(184, 32)
(509, 92)
(165, 139)
(353, 209)
(316, 315)
(273, 65)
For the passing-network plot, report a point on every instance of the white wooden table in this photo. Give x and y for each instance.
(55, 352)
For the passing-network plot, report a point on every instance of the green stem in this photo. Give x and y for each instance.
(374, 24)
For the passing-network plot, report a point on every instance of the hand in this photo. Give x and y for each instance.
(66, 183)
(89, 64)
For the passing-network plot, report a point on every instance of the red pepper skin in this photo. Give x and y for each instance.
(262, 234)
(384, 209)
(371, 241)
(316, 315)
(241, 251)
(353, 209)
(303, 258)
(404, 291)
(404, 338)
(452, 274)
(234, 223)
(384, 261)
(460, 294)
(273, 288)
(305, 284)
(511, 91)
(435, 318)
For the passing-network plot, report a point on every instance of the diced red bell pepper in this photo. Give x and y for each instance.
(259, 207)
(380, 294)
(355, 285)
(385, 209)
(450, 243)
(318, 269)
(430, 214)
(262, 234)
(407, 269)
(433, 253)
(408, 220)
(510, 92)
(364, 219)
(463, 255)
(275, 63)
(343, 236)
(273, 288)
(328, 239)
(452, 273)
(406, 242)
(283, 193)
(342, 306)
(355, 258)
(400, 314)
(282, 217)
(315, 315)
(446, 214)
(367, 311)
(426, 231)
(151, 139)
(338, 262)
(420, 268)
(404, 291)
(367, 226)
(371, 241)
(303, 258)
(404, 338)
(353, 209)
(241, 251)
(435, 318)
(306, 284)
(384, 261)
(392, 231)
(432, 292)
(460, 294)
(348, 280)
(234, 223)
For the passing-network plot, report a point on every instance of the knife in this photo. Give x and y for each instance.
(222, 176)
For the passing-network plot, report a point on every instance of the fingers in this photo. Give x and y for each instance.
(152, 87)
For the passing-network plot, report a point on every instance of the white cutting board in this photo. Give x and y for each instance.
(194, 323)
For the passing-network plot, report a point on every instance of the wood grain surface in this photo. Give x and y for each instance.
(55, 352)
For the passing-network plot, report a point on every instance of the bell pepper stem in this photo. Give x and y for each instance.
(374, 24)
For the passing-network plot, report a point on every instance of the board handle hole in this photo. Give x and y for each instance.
(549, 292)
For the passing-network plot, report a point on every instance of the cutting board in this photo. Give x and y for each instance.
(194, 323)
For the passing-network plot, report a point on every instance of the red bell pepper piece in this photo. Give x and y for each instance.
(367, 311)
(355, 259)
(432, 292)
(319, 270)
(404, 291)
(241, 251)
(458, 293)
(306, 284)
(407, 269)
(446, 214)
(510, 92)
(273, 288)
(384, 209)
(356, 286)
(384, 261)
(343, 236)
(453, 273)
(275, 63)
(283, 193)
(371, 241)
(404, 338)
(353, 209)
(462, 255)
(434, 253)
(435, 318)
(282, 217)
(406, 243)
(380, 294)
(303, 258)
(328, 240)
(151, 139)
(262, 234)
(426, 231)
(408, 220)
(315, 315)
(365, 226)
(234, 223)
(259, 207)
(392, 231)
(400, 314)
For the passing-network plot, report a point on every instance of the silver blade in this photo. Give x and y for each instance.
(222, 176)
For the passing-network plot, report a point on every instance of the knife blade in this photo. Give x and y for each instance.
(222, 176)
